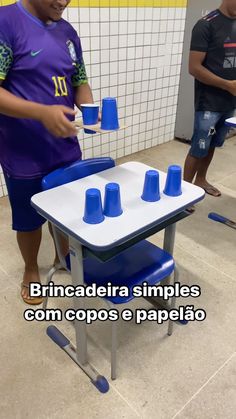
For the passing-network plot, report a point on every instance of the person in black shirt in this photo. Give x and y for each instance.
(212, 62)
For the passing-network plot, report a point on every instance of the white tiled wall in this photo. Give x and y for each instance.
(133, 54)
(3, 189)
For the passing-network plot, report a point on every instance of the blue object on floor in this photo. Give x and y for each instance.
(101, 384)
(220, 219)
(57, 336)
(98, 380)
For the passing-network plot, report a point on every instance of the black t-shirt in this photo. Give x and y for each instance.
(215, 34)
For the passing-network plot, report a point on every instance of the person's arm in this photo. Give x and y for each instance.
(201, 73)
(52, 117)
(83, 94)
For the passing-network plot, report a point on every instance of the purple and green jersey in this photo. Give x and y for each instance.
(44, 64)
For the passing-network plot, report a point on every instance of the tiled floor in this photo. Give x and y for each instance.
(191, 375)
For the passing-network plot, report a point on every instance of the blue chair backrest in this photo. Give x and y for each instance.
(75, 171)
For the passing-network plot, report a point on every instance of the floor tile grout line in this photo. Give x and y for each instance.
(1, 269)
(120, 395)
(225, 177)
(218, 183)
(126, 401)
(206, 263)
(11, 282)
(226, 190)
(204, 385)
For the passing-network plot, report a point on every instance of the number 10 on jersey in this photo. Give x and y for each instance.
(60, 86)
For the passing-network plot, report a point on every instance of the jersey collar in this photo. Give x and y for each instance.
(34, 18)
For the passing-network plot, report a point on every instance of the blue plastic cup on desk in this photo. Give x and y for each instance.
(151, 188)
(109, 120)
(173, 181)
(93, 213)
(90, 113)
(112, 201)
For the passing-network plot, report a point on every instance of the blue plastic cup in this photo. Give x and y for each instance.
(93, 213)
(109, 119)
(112, 201)
(151, 188)
(173, 181)
(90, 113)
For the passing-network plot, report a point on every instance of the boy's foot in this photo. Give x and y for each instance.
(27, 299)
(209, 189)
(29, 277)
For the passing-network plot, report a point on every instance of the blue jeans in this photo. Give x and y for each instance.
(209, 131)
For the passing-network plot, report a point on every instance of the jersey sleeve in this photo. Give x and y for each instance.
(6, 55)
(79, 77)
(200, 36)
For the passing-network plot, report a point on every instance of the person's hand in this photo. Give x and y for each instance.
(56, 122)
(231, 87)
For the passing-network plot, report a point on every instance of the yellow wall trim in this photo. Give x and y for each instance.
(118, 3)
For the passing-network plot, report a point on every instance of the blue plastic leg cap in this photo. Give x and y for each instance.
(101, 383)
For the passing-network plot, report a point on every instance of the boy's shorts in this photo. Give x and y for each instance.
(209, 131)
(24, 216)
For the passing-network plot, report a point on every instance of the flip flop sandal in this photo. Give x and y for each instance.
(61, 268)
(33, 301)
(58, 266)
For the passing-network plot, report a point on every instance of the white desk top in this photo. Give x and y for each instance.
(231, 121)
(64, 206)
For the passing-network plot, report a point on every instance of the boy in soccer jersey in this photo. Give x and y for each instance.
(42, 77)
(212, 62)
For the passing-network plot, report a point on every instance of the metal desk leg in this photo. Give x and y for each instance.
(168, 245)
(77, 274)
(169, 238)
(79, 352)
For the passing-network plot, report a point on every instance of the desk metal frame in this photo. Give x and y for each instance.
(79, 245)
(77, 252)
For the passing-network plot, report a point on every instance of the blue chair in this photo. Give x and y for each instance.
(142, 262)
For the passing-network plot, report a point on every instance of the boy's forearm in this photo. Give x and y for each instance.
(207, 77)
(83, 94)
(11, 105)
